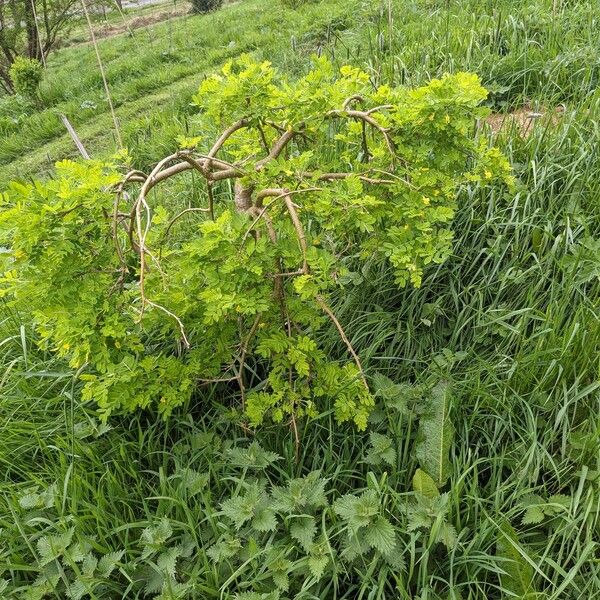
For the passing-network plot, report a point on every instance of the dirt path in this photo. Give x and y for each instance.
(140, 3)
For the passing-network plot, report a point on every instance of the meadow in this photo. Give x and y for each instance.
(145, 507)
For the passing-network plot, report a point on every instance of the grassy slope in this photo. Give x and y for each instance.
(523, 53)
(520, 298)
(159, 67)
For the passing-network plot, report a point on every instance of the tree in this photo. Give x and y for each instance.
(32, 29)
(306, 188)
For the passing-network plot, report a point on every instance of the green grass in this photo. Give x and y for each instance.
(524, 53)
(160, 66)
(512, 320)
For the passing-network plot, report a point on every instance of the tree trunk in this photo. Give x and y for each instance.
(33, 40)
(5, 81)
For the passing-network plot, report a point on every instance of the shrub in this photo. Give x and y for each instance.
(26, 76)
(308, 186)
(204, 6)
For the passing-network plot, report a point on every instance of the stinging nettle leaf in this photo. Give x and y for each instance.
(317, 565)
(382, 450)
(264, 520)
(252, 457)
(447, 535)
(167, 561)
(381, 535)
(303, 530)
(108, 563)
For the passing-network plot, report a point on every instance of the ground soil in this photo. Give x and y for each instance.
(524, 119)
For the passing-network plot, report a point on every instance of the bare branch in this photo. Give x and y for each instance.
(278, 193)
(367, 118)
(334, 176)
(277, 148)
(352, 99)
(174, 316)
(179, 215)
(226, 135)
(321, 302)
(379, 108)
(299, 230)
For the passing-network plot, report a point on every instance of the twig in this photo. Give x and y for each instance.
(277, 149)
(263, 138)
(243, 358)
(296, 436)
(242, 361)
(299, 230)
(321, 302)
(351, 99)
(179, 215)
(174, 316)
(142, 234)
(378, 108)
(225, 136)
(103, 74)
(278, 193)
(224, 170)
(211, 200)
(332, 176)
(367, 118)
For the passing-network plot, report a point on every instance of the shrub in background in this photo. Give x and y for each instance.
(26, 76)
(204, 6)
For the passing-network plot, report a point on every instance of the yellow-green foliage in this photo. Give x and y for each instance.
(26, 76)
(211, 304)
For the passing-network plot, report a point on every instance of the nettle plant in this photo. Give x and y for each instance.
(304, 183)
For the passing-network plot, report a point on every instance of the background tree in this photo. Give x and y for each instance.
(32, 29)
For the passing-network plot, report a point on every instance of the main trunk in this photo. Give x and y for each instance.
(31, 30)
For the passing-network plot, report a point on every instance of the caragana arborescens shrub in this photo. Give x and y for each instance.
(303, 181)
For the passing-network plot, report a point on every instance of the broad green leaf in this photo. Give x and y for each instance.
(51, 547)
(167, 561)
(108, 563)
(317, 565)
(303, 530)
(516, 573)
(424, 484)
(447, 535)
(435, 436)
(533, 515)
(382, 450)
(264, 520)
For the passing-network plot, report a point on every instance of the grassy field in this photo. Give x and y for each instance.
(524, 54)
(512, 319)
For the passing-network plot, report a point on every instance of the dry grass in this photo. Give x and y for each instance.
(524, 120)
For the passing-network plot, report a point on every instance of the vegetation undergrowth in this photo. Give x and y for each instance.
(487, 374)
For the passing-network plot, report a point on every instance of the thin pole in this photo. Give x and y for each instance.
(104, 81)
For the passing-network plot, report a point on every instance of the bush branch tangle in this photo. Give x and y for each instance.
(304, 183)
